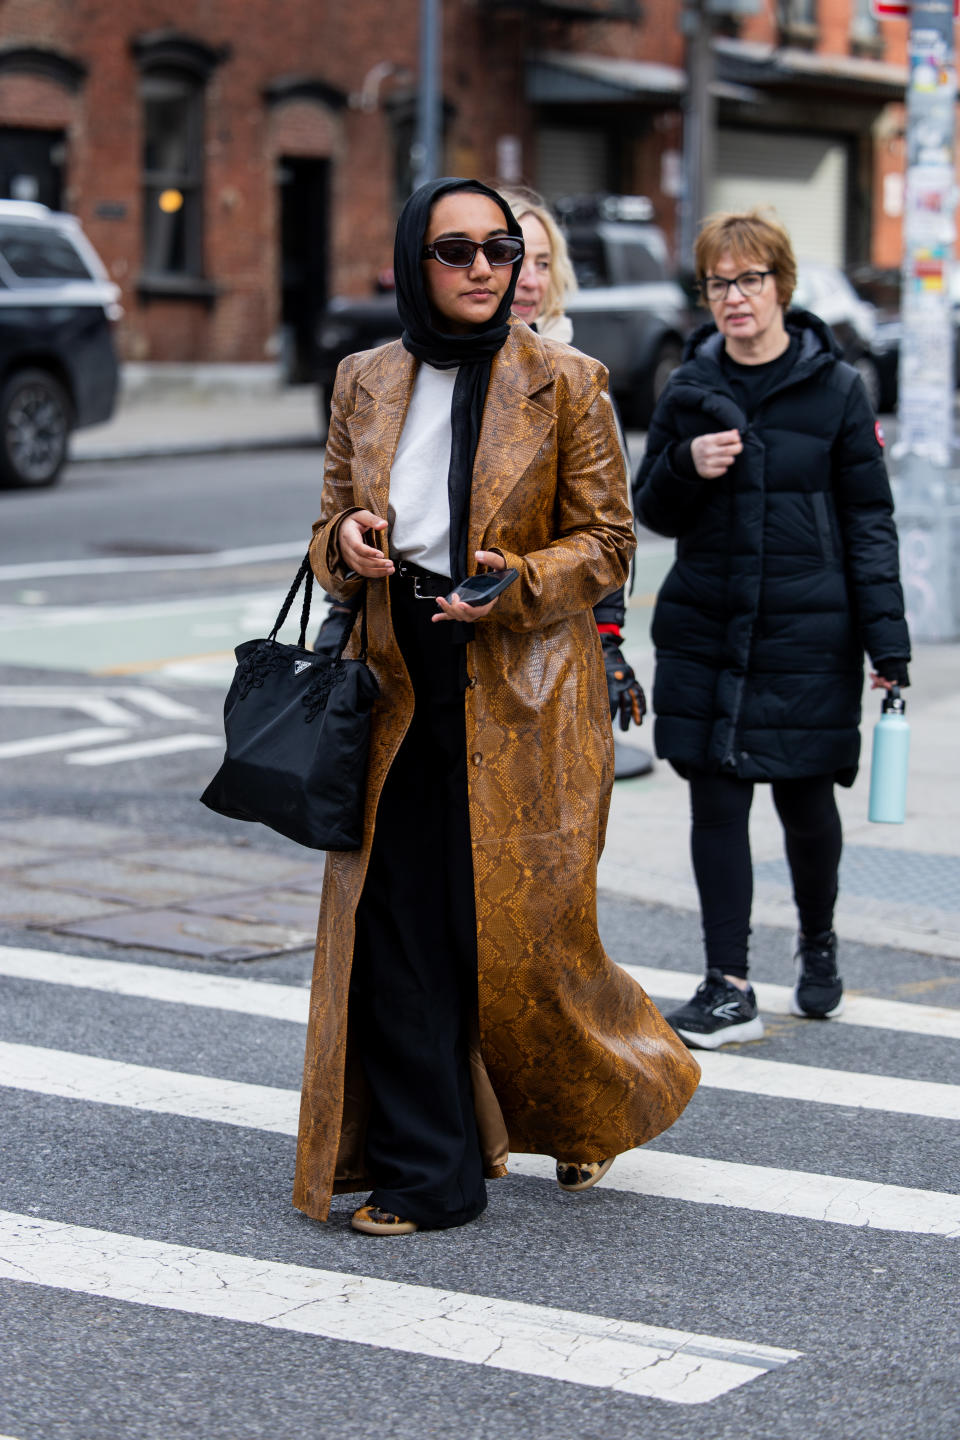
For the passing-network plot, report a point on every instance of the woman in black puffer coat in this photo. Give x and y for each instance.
(765, 461)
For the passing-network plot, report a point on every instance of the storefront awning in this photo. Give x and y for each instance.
(751, 63)
(555, 77)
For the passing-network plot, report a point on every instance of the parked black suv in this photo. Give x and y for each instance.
(58, 365)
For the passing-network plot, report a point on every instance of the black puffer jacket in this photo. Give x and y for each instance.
(787, 567)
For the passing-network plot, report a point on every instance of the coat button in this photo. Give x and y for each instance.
(471, 682)
(476, 757)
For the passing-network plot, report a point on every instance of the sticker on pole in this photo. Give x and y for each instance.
(900, 9)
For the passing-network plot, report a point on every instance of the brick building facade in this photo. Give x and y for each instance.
(235, 161)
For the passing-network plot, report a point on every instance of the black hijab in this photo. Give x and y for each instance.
(472, 352)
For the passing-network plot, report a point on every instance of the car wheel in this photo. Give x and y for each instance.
(870, 375)
(35, 420)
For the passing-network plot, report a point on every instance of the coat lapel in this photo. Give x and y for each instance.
(384, 388)
(515, 426)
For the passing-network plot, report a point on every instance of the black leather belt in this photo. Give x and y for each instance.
(423, 584)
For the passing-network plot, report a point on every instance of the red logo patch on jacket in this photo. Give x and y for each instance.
(878, 431)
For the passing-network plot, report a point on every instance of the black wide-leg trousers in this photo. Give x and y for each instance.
(413, 991)
(720, 847)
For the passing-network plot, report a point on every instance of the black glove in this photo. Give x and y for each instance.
(333, 633)
(623, 687)
(893, 669)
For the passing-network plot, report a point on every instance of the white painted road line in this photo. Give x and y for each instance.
(98, 703)
(766, 1190)
(89, 702)
(860, 1009)
(829, 1087)
(158, 982)
(218, 560)
(155, 702)
(689, 1178)
(288, 1002)
(141, 1087)
(67, 740)
(142, 749)
(622, 1356)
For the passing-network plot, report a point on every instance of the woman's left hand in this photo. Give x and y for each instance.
(877, 682)
(489, 560)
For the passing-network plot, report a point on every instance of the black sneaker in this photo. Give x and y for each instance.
(717, 1014)
(818, 994)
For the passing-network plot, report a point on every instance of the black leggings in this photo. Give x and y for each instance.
(720, 845)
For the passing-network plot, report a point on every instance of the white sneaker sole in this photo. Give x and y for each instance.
(797, 1009)
(730, 1034)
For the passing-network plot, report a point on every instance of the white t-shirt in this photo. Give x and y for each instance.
(419, 511)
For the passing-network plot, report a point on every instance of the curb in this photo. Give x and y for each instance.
(166, 449)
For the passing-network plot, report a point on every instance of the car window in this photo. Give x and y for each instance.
(36, 253)
(637, 263)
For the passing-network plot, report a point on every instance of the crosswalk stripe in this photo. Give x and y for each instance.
(864, 1010)
(623, 1356)
(763, 1189)
(290, 1002)
(142, 1087)
(853, 1088)
(689, 1178)
(158, 982)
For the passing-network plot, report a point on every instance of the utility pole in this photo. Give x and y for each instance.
(926, 477)
(698, 22)
(699, 122)
(427, 147)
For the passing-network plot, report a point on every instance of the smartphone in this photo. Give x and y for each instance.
(481, 589)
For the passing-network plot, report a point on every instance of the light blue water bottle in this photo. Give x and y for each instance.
(888, 772)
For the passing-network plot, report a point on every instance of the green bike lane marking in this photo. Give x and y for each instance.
(124, 639)
(118, 639)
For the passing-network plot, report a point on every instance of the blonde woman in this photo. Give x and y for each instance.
(544, 285)
(546, 280)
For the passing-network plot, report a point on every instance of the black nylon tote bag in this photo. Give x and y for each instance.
(298, 735)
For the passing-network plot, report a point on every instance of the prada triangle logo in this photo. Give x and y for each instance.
(300, 665)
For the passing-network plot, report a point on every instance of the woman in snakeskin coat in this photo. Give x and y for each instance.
(462, 1002)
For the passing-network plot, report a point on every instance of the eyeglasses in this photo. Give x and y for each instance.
(500, 250)
(714, 287)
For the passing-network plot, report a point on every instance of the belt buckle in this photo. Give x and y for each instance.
(416, 589)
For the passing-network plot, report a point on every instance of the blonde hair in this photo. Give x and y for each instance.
(748, 236)
(563, 282)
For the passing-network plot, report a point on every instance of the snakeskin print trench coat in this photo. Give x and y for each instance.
(570, 1057)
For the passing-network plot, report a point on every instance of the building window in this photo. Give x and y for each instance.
(172, 174)
(798, 19)
(174, 71)
(864, 26)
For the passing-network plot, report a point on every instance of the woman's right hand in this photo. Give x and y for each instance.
(364, 559)
(713, 454)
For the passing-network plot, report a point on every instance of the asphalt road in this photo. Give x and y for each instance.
(797, 1225)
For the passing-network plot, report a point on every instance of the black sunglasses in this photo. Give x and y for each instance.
(500, 250)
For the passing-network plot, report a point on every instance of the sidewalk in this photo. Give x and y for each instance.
(200, 422)
(900, 885)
